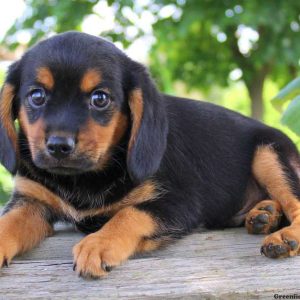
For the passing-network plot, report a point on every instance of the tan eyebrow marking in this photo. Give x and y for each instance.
(90, 80)
(45, 77)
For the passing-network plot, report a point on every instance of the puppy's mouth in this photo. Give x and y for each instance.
(74, 166)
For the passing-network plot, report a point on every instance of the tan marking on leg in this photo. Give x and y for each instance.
(21, 229)
(45, 77)
(146, 192)
(270, 174)
(90, 80)
(6, 105)
(118, 239)
(136, 107)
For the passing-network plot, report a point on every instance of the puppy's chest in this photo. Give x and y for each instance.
(89, 195)
(93, 207)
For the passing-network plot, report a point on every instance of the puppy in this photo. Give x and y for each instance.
(97, 145)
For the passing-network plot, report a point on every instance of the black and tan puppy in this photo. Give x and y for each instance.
(100, 147)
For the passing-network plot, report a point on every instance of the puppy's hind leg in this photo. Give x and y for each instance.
(282, 184)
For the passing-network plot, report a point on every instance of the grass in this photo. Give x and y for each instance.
(234, 97)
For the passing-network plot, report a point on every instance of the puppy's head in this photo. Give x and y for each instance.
(76, 97)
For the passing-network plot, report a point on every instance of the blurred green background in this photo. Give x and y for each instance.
(234, 53)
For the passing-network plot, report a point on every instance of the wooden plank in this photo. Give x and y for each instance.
(209, 264)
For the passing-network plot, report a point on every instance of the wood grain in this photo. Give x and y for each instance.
(207, 264)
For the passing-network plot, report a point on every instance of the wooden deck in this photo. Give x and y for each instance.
(205, 265)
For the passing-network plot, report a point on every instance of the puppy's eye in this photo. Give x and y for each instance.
(37, 98)
(99, 100)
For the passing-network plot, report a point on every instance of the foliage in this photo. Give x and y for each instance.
(209, 41)
(43, 17)
(290, 95)
(197, 42)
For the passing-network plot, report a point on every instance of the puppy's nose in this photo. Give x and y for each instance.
(59, 146)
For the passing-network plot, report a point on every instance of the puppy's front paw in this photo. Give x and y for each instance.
(96, 255)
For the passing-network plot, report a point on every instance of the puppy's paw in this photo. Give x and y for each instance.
(282, 243)
(96, 255)
(265, 217)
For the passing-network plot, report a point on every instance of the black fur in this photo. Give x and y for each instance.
(199, 154)
(145, 157)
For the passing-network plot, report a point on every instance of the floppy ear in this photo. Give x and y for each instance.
(148, 137)
(8, 107)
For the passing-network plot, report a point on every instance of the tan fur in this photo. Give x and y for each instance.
(45, 77)
(95, 140)
(136, 108)
(21, 229)
(281, 237)
(148, 245)
(145, 192)
(274, 218)
(120, 128)
(90, 80)
(35, 132)
(268, 170)
(6, 103)
(115, 242)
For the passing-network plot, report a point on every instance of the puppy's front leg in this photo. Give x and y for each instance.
(21, 228)
(115, 242)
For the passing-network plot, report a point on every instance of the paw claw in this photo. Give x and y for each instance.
(74, 266)
(262, 250)
(5, 263)
(106, 267)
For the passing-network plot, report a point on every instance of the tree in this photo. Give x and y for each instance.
(199, 42)
(212, 38)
